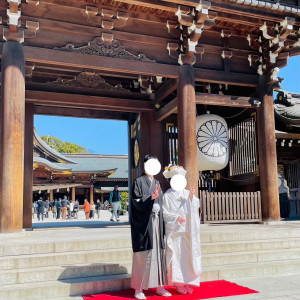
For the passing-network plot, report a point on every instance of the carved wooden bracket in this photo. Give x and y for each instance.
(272, 76)
(106, 18)
(253, 60)
(12, 33)
(287, 27)
(191, 22)
(173, 49)
(253, 41)
(185, 15)
(145, 84)
(173, 28)
(269, 34)
(31, 29)
(29, 67)
(273, 47)
(226, 53)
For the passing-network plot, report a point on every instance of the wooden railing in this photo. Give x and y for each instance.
(232, 207)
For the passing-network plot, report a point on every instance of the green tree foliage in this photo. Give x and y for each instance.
(62, 147)
(124, 196)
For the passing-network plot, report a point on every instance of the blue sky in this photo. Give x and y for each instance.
(291, 75)
(110, 137)
(98, 136)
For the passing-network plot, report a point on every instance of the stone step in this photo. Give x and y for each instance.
(268, 233)
(70, 246)
(94, 243)
(64, 258)
(104, 256)
(207, 247)
(249, 270)
(19, 276)
(255, 245)
(220, 259)
(65, 288)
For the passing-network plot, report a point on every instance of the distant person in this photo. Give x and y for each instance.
(58, 207)
(71, 207)
(92, 209)
(76, 209)
(284, 195)
(64, 207)
(86, 206)
(47, 206)
(106, 203)
(35, 207)
(115, 199)
(40, 209)
(98, 208)
(54, 209)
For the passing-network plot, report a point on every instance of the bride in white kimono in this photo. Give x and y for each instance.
(182, 224)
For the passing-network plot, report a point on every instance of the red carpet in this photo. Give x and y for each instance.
(207, 290)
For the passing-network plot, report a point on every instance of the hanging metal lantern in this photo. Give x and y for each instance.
(212, 142)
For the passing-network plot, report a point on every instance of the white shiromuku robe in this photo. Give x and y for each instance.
(183, 251)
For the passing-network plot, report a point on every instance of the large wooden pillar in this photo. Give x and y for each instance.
(91, 194)
(186, 119)
(51, 195)
(267, 153)
(12, 115)
(28, 165)
(152, 142)
(73, 194)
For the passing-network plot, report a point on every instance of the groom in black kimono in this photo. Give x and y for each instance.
(147, 233)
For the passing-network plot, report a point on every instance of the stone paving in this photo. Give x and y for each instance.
(283, 287)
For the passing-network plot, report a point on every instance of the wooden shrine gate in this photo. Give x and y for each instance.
(152, 59)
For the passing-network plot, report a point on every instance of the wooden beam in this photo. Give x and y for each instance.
(288, 136)
(66, 28)
(85, 61)
(148, 3)
(166, 111)
(208, 99)
(214, 76)
(165, 90)
(92, 62)
(80, 113)
(225, 100)
(87, 91)
(88, 102)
